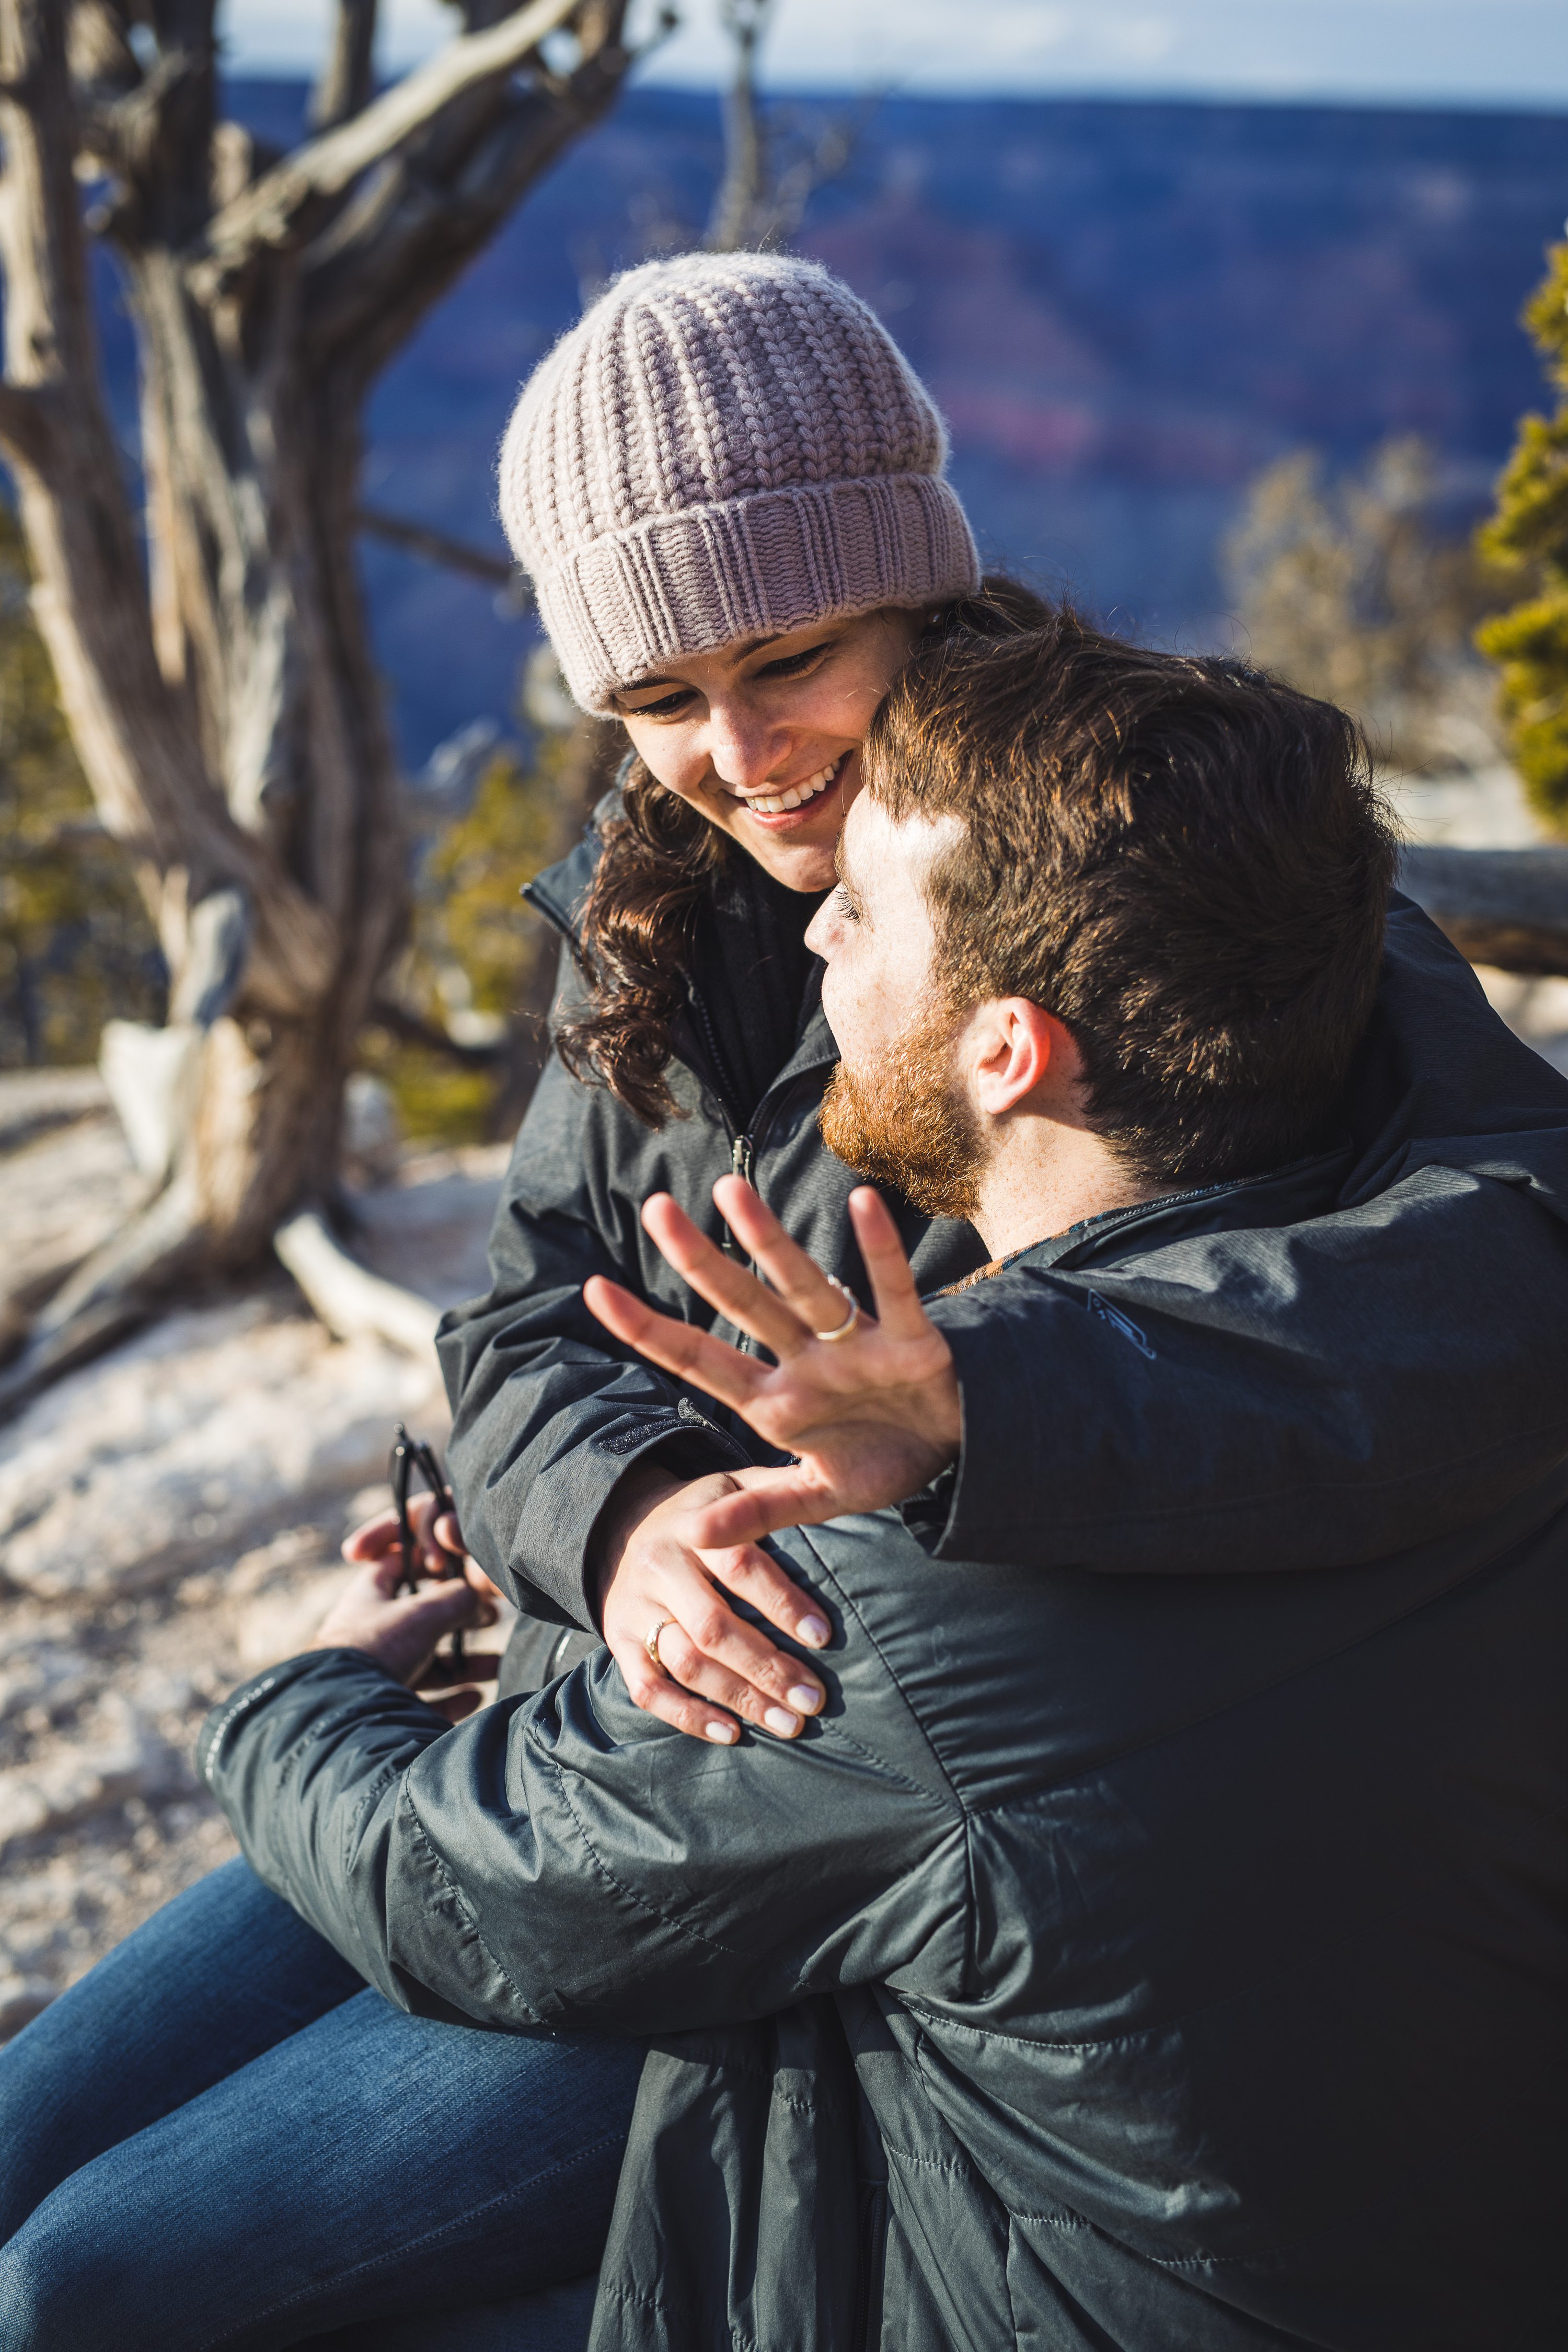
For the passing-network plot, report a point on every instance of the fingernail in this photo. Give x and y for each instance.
(814, 1630)
(804, 1699)
(724, 1733)
(779, 1719)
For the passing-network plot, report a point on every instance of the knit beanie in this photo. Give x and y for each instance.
(726, 446)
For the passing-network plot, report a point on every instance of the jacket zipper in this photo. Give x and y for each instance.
(745, 1144)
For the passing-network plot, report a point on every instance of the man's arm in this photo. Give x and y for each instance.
(1162, 1415)
(568, 1859)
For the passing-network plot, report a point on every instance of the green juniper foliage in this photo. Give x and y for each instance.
(474, 940)
(1528, 534)
(75, 945)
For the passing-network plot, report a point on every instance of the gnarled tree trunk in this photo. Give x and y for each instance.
(222, 694)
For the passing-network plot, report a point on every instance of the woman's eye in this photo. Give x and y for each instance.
(843, 904)
(792, 664)
(671, 707)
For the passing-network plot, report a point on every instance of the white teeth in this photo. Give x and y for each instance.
(794, 795)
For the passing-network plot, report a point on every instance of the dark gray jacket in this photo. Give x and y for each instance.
(1173, 1963)
(1338, 1393)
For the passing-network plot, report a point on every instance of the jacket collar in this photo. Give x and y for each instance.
(1281, 1196)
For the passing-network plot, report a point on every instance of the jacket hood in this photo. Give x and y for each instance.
(1441, 1080)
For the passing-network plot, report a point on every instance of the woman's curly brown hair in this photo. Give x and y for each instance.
(659, 858)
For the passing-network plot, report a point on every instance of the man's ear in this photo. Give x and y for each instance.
(1020, 1051)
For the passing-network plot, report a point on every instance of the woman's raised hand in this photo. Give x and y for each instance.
(873, 1414)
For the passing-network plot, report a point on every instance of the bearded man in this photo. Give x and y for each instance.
(1117, 1960)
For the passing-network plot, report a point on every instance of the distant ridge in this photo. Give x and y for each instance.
(1124, 308)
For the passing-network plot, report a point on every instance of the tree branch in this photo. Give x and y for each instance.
(739, 198)
(394, 252)
(25, 423)
(436, 547)
(151, 132)
(290, 204)
(349, 1299)
(348, 77)
(414, 1030)
(148, 775)
(1502, 906)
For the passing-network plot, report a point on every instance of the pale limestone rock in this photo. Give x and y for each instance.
(169, 1519)
(184, 1443)
(281, 1624)
(42, 1675)
(36, 1799)
(67, 1183)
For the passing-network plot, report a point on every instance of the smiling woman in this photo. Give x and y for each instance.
(728, 486)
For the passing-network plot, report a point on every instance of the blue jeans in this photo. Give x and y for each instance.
(219, 2136)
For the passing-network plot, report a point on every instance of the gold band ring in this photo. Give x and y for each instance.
(842, 1330)
(650, 1643)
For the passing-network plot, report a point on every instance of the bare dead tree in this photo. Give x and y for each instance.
(770, 170)
(221, 691)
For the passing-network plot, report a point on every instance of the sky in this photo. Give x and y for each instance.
(1492, 53)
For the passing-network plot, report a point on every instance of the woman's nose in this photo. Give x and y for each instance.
(744, 750)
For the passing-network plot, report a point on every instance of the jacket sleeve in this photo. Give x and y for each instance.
(548, 1413)
(566, 1860)
(1338, 1391)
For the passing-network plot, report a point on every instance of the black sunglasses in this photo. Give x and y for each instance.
(411, 1456)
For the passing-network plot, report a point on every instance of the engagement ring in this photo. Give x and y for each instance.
(651, 1643)
(842, 1330)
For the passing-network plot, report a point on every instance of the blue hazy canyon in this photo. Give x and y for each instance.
(1124, 310)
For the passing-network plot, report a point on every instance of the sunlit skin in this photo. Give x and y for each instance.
(767, 717)
(870, 1417)
(1044, 1166)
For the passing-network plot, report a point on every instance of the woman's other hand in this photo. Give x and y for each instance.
(401, 1631)
(650, 1575)
(438, 1541)
(712, 1664)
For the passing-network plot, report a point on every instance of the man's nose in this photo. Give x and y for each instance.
(822, 932)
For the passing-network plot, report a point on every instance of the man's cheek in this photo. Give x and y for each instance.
(830, 986)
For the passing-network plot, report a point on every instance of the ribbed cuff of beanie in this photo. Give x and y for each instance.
(756, 566)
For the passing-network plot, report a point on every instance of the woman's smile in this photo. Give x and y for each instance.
(784, 808)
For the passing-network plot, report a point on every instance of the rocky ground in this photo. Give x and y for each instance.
(169, 1522)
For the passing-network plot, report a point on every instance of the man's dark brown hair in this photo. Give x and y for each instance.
(1183, 859)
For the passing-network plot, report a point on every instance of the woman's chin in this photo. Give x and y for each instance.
(797, 847)
(801, 859)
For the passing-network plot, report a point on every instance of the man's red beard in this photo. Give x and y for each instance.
(906, 1124)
